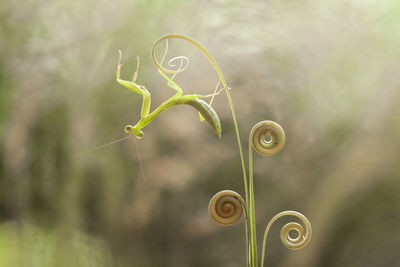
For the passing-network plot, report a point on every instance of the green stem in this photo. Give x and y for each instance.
(249, 194)
(252, 207)
(249, 203)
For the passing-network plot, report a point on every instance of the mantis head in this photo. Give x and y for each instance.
(132, 130)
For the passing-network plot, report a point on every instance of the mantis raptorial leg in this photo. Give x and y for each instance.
(132, 85)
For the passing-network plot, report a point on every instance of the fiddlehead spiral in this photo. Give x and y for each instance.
(267, 138)
(302, 234)
(226, 207)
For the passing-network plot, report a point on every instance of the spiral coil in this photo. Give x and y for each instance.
(267, 138)
(298, 242)
(226, 207)
(303, 234)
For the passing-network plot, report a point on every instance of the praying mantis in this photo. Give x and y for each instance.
(194, 100)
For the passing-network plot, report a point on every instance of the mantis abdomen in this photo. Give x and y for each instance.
(207, 112)
(201, 106)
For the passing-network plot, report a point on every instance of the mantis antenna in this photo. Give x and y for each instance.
(113, 142)
(140, 161)
(137, 149)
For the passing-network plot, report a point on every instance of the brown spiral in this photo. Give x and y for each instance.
(267, 138)
(226, 207)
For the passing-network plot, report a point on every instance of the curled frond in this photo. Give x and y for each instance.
(267, 137)
(302, 234)
(226, 207)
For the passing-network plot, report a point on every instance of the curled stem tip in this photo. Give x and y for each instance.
(226, 207)
(267, 138)
(302, 233)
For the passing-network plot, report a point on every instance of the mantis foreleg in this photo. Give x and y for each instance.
(133, 86)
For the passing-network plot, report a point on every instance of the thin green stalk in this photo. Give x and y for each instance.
(249, 197)
(252, 207)
(249, 205)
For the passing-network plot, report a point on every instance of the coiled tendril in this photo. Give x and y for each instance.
(226, 207)
(183, 63)
(302, 236)
(186, 59)
(267, 138)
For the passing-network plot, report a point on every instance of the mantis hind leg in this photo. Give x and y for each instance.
(216, 92)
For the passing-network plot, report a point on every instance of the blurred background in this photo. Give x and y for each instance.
(327, 71)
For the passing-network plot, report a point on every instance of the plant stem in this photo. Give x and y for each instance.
(253, 239)
(249, 198)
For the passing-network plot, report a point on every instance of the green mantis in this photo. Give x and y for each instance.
(194, 100)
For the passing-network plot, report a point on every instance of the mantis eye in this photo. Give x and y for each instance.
(132, 130)
(128, 129)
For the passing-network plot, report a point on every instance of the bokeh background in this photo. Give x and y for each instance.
(327, 71)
